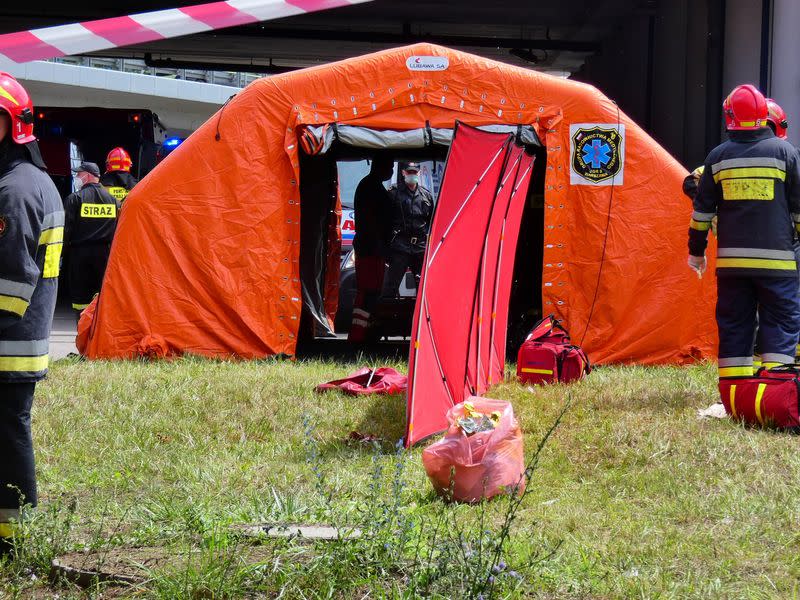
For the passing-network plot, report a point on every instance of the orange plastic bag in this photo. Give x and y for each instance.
(468, 468)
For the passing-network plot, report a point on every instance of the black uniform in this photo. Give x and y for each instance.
(91, 222)
(118, 183)
(371, 204)
(31, 235)
(752, 184)
(410, 219)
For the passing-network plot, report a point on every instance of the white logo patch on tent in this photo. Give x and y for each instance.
(427, 63)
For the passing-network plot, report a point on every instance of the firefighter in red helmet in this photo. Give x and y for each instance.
(751, 183)
(31, 233)
(118, 179)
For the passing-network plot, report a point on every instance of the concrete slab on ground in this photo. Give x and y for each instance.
(62, 335)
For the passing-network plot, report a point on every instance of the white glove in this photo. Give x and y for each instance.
(698, 265)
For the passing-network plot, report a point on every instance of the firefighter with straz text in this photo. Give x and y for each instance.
(91, 221)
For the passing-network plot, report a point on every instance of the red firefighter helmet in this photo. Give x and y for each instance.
(16, 102)
(777, 118)
(745, 108)
(118, 160)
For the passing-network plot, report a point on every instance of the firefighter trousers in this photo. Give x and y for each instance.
(17, 474)
(369, 282)
(87, 266)
(739, 300)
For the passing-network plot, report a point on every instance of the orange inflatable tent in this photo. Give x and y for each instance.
(206, 259)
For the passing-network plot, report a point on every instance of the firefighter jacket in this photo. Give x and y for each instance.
(31, 234)
(752, 184)
(371, 203)
(91, 215)
(118, 183)
(410, 218)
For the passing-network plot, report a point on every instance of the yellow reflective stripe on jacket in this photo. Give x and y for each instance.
(733, 401)
(52, 261)
(757, 263)
(32, 364)
(749, 172)
(79, 306)
(700, 225)
(52, 236)
(736, 371)
(12, 304)
(748, 189)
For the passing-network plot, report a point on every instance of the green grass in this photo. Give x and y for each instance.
(634, 496)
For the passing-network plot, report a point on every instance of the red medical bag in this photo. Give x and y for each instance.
(769, 399)
(548, 356)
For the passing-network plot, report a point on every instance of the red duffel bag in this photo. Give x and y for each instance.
(548, 356)
(769, 399)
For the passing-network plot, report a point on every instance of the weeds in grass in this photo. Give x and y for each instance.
(41, 535)
(439, 556)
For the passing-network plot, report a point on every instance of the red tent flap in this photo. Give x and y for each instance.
(441, 333)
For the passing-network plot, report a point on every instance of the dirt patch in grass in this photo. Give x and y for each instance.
(137, 565)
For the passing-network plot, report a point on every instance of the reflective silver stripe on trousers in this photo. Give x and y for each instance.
(15, 288)
(755, 253)
(736, 361)
(698, 216)
(732, 163)
(54, 219)
(23, 348)
(778, 358)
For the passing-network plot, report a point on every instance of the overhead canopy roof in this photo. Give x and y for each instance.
(549, 35)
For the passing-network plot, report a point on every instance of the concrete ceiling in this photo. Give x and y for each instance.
(547, 35)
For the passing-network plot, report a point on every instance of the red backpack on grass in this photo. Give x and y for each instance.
(548, 356)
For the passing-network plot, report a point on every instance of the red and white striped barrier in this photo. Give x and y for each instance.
(90, 36)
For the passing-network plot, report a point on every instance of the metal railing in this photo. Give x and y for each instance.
(131, 65)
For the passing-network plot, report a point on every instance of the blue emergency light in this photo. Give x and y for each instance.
(172, 142)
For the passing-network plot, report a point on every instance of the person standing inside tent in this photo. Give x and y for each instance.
(91, 220)
(371, 204)
(31, 233)
(751, 183)
(118, 179)
(411, 212)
